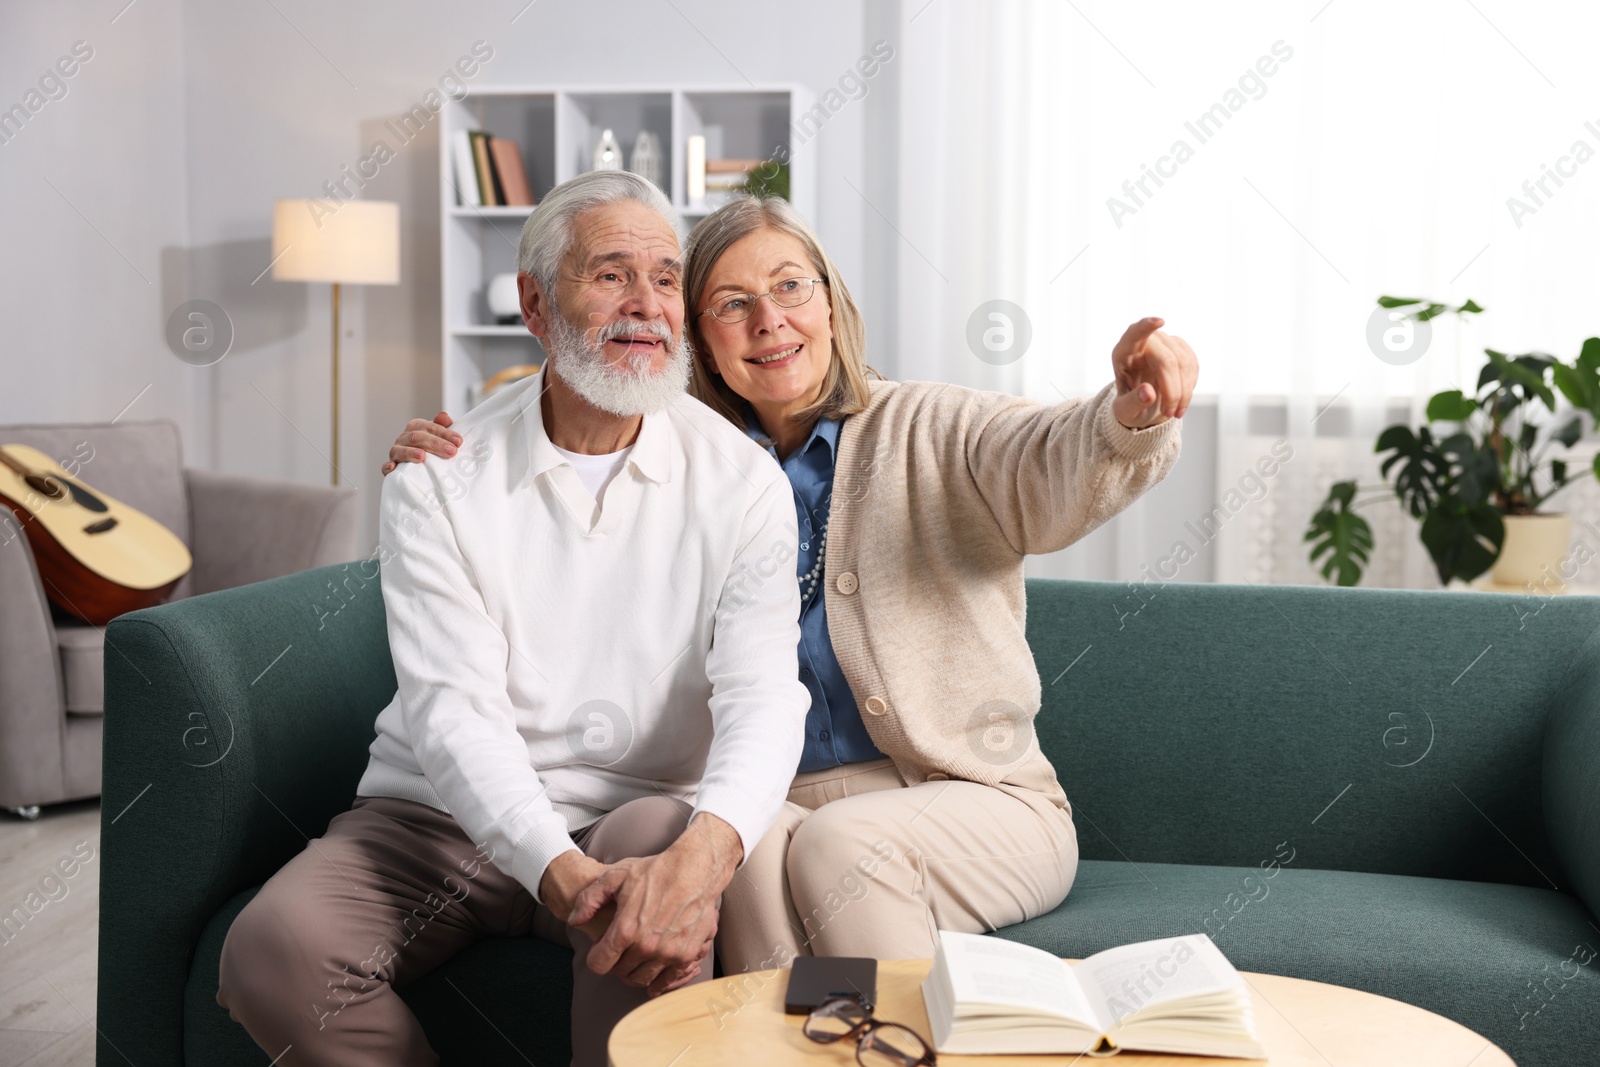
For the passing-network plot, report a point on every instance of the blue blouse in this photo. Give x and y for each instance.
(834, 732)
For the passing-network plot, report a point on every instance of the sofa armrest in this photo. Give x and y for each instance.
(236, 726)
(250, 529)
(32, 701)
(1572, 774)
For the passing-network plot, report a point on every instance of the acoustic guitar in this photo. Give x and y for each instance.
(98, 557)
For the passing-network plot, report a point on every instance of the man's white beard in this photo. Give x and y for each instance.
(627, 388)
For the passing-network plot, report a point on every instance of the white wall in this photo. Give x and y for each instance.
(174, 139)
(93, 190)
(191, 118)
(277, 104)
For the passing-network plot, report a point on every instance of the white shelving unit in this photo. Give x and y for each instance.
(557, 130)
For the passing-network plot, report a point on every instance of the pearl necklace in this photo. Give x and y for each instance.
(808, 580)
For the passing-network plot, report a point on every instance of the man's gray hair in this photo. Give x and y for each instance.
(547, 235)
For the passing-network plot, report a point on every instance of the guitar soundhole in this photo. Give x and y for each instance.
(46, 486)
(100, 527)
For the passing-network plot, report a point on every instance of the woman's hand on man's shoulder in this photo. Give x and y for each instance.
(421, 437)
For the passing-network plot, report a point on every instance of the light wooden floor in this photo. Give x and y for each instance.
(47, 968)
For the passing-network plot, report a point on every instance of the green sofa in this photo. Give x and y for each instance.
(1395, 791)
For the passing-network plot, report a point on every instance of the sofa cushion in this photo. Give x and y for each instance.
(1514, 963)
(83, 668)
(502, 1000)
(1217, 716)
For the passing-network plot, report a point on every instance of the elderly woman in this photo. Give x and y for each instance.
(923, 801)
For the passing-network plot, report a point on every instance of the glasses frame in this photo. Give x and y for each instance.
(864, 1029)
(771, 294)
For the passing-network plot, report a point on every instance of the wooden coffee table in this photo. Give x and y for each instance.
(739, 1022)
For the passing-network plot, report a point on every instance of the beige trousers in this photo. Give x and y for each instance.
(860, 864)
(391, 890)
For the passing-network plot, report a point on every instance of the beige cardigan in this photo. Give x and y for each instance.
(938, 493)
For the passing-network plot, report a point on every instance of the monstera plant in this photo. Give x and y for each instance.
(1477, 459)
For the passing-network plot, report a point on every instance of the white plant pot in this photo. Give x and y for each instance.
(1534, 548)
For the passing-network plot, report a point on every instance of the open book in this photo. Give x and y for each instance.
(986, 995)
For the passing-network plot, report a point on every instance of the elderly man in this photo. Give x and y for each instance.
(594, 666)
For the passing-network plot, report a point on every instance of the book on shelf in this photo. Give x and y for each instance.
(466, 170)
(732, 166)
(723, 175)
(483, 169)
(986, 995)
(507, 159)
(489, 170)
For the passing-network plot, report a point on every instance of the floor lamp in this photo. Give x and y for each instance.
(350, 242)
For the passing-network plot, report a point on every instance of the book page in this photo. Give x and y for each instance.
(992, 971)
(1134, 977)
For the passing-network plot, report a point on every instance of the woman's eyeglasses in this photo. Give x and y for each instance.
(736, 307)
(878, 1044)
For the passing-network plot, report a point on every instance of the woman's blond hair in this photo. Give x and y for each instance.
(844, 390)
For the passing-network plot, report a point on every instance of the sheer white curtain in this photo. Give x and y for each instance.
(1284, 165)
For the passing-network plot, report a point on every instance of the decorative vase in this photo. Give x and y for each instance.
(607, 153)
(1534, 549)
(646, 159)
(504, 302)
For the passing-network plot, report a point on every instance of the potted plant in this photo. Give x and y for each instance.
(1478, 485)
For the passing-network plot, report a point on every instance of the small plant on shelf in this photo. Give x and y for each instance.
(1488, 463)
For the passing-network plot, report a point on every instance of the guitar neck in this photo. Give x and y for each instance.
(7, 460)
(51, 486)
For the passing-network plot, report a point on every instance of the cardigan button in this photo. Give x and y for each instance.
(938, 776)
(847, 583)
(876, 706)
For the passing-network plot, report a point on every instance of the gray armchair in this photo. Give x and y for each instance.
(238, 530)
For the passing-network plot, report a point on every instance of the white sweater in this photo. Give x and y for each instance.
(556, 660)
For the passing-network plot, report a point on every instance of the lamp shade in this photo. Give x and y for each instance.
(352, 241)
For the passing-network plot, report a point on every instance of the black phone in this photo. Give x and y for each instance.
(813, 979)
